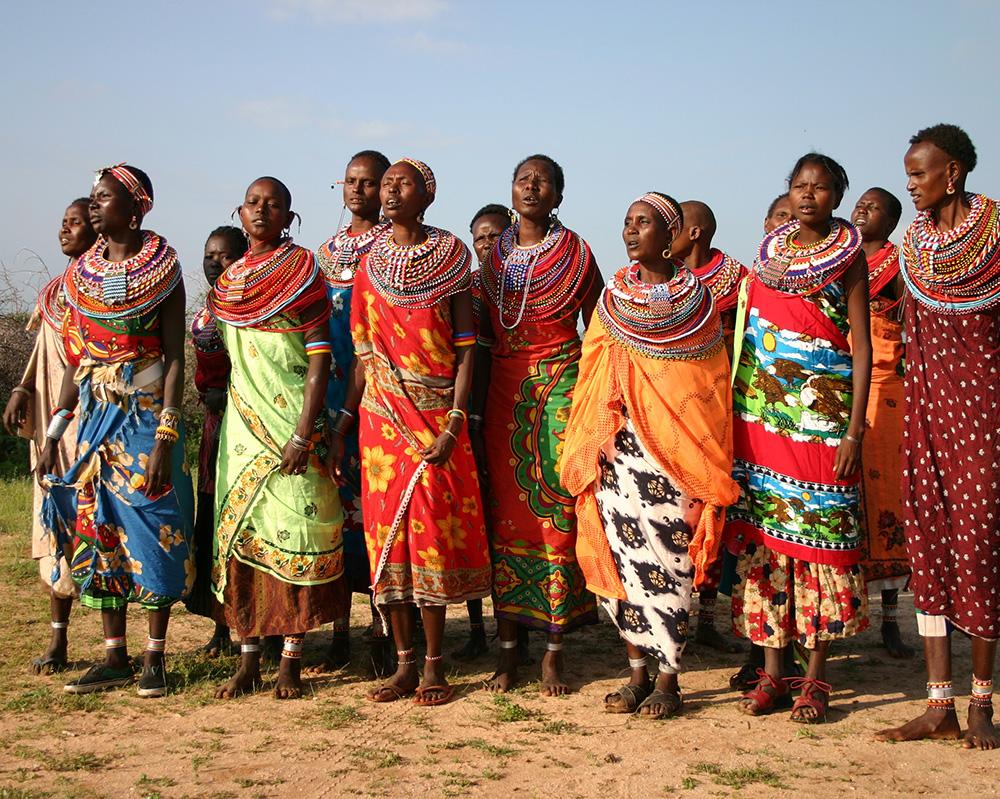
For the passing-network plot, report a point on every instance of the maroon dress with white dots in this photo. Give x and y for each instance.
(951, 465)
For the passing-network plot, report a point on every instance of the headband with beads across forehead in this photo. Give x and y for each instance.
(127, 178)
(670, 212)
(425, 173)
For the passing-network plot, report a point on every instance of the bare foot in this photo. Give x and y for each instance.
(337, 655)
(434, 685)
(893, 641)
(935, 725)
(403, 683)
(218, 645)
(981, 734)
(627, 698)
(246, 680)
(289, 685)
(506, 674)
(707, 635)
(54, 659)
(474, 647)
(553, 683)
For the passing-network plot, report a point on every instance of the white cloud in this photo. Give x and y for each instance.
(385, 11)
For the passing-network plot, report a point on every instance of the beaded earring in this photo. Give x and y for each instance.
(951, 187)
(133, 225)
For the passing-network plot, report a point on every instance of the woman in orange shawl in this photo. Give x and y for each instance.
(648, 451)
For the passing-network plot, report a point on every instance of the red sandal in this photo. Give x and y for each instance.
(765, 702)
(809, 687)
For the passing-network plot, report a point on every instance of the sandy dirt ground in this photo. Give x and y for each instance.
(333, 741)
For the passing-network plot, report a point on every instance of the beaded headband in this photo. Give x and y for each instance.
(670, 212)
(425, 173)
(127, 178)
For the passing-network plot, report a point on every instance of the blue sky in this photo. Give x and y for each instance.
(703, 100)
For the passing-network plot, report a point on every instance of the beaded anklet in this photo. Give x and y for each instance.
(889, 612)
(292, 647)
(982, 694)
(156, 644)
(115, 643)
(405, 653)
(941, 695)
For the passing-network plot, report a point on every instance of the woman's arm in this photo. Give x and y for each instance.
(172, 332)
(848, 458)
(344, 421)
(295, 458)
(480, 389)
(591, 292)
(69, 396)
(441, 448)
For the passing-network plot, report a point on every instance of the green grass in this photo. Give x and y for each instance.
(740, 776)
(481, 745)
(375, 758)
(505, 711)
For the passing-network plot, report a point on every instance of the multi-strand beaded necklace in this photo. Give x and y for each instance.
(675, 320)
(205, 334)
(126, 289)
(722, 275)
(883, 267)
(794, 268)
(255, 289)
(421, 275)
(340, 255)
(958, 271)
(52, 303)
(537, 283)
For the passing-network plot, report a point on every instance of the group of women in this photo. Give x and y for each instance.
(665, 452)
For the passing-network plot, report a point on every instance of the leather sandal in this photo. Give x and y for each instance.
(764, 701)
(633, 696)
(807, 699)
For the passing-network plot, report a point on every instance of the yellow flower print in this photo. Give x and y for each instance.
(562, 414)
(280, 401)
(418, 527)
(425, 437)
(145, 402)
(414, 364)
(388, 432)
(189, 574)
(452, 533)
(435, 345)
(360, 334)
(252, 351)
(398, 330)
(448, 497)
(470, 506)
(143, 460)
(377, 466)
(432, 558)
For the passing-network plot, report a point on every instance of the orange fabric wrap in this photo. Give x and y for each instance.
(682, 413)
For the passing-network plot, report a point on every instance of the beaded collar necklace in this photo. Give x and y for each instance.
(676, 320)
(205, 334)
(420, 275)
(722, 275)
(958, 271)
(339, 256)
(257, 288)
(537, 283)
(785, 265)
(52, 302)
(883, 267)
(103, 289)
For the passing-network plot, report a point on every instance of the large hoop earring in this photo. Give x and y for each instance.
(133, 225)
(666, 254)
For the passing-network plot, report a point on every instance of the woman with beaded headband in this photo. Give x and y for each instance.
(951, 460)
(799, 401)
(648, 451)
(539, 279)
(339, 258)
(125, 508)
(225, 245)
(278, 518)
(413, 334)
(32, 399)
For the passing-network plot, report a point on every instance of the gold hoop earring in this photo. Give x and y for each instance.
(420, 217)
(951, 187)
(666, 254)
(133, 225)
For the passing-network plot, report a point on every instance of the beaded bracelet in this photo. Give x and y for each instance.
(164, 433)
(63, 413)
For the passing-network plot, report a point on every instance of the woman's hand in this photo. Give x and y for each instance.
(294, 460)
(16, 412)
(440, 450)
(48, 461)
(847, 462)
(335, 458)
(158, 469)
